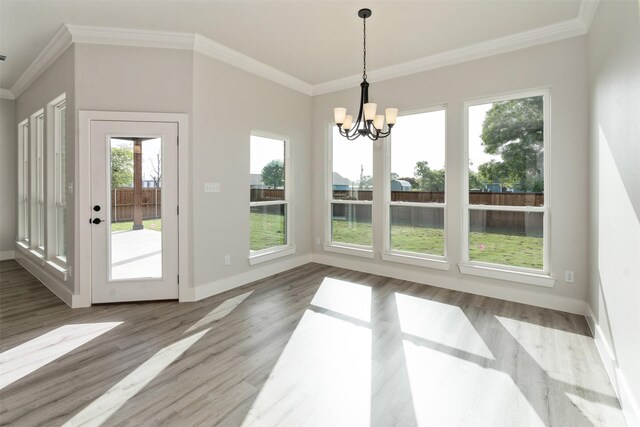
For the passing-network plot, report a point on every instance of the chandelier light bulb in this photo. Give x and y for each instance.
(348, 121)
(339, 114)
(370, 110)
(378, 122)
(392, 115)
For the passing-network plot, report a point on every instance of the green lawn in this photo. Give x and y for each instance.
(497, 248)
(149, 224)
(266, 231)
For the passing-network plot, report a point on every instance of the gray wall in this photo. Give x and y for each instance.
(560, 66)
(228, 105)
(614, 256)
(224, 105)
(8, 177)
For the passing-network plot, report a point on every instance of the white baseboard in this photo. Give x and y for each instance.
(256, 273)
(469, 285)
(630, 406)
(55, 285)
(5, 255)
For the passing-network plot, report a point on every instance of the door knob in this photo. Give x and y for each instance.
(96, 208)
(96, 221)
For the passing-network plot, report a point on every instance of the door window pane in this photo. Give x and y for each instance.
(351, 224)
(417, 229)
(506, 237)
(136, 214)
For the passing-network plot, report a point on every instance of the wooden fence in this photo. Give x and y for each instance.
(122, 204)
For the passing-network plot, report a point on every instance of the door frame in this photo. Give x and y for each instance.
(82, 209)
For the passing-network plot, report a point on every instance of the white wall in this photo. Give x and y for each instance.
(614, 256)
(560, 66)
(8, 176)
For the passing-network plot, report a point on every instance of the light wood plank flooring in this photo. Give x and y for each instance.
(315, 345)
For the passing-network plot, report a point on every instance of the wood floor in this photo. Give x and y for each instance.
(315, 345)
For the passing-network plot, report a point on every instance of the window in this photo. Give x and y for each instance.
(60, 182)
(23, 182)
(351, 192)
(269, 208)
(506, 212)
(39, 188)
(416, 192)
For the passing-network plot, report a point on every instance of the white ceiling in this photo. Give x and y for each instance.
(314, 41)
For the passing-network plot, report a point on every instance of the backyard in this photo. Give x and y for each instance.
(499, 248)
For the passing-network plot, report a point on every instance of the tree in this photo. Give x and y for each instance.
(365, 182)
(273, 174)
(428, 179)
(515, 130)
(156, 166)
(121, 167)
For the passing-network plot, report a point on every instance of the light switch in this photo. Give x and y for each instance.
(211, 187)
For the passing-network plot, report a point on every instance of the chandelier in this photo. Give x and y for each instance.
(368, 123)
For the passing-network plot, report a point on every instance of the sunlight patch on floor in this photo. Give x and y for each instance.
(350, 299)
(439, 382)
(99, 411)
(26, 358)
(440, 324)
(323, 376)
(220, 311)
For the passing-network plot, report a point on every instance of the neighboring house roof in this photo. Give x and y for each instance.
(256, 179)
(340, 180)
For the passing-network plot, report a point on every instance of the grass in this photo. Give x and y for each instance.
(266, 231)
(149, 224)
(496, 248)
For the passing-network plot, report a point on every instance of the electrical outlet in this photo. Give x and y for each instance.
(318, 241)
(227, 260)
(569, 277)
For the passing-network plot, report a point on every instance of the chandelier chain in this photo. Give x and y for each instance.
(364, 48)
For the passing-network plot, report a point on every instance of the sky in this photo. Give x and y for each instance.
(415, 137)
(263, 150)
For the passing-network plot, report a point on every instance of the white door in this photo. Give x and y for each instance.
(134, 217)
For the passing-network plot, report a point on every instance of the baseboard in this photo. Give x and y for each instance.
(472, 286)
(255, 273)
(5, 255)
(52, 283)
(630, 406)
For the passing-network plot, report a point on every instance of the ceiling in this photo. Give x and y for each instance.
(314, 41)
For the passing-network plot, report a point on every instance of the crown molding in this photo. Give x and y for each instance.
(52, 51)
(6, 94)
(550, 33)
(69, 34)
(222, 53)
(587, 12)
(130, 37)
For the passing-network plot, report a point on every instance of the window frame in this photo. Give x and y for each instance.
(38, 184)
(343, 247)
(57, 183)
(274, 252)
(24, 170)
(439, 262)
(540, 277)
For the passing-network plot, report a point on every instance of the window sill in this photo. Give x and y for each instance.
(420, 261)
(260, 257)
(508, 275)
(56, 270)
(349, 250)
